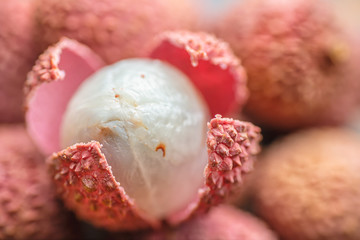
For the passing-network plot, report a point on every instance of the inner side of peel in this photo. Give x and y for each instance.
(49, 99)
(216, 83)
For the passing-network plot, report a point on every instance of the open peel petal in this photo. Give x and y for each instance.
(87, 186)
(57, 74)
(209, 63)
(232, 146)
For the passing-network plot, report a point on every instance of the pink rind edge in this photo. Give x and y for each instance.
(232, 149)
(207, 47)
(85, 182)
(46, 68)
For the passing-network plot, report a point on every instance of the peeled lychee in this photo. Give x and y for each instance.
(223, 222)
(299, 61)
(135, 139)
(17, 55)
(28, 207)
(113, 29)
(144, 113)
(307, 185)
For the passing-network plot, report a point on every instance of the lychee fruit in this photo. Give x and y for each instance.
(17, 55)
(306, 185)
(28, 206)
(113, 29)
(136, 151)
(223, 222)
(300, 62)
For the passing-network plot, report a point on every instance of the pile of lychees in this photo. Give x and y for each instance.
(170, 119)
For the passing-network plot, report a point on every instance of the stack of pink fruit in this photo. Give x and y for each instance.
(130, 111)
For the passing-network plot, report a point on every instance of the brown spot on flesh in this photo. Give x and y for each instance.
(138, 123)
(105, 131)
(161, 147)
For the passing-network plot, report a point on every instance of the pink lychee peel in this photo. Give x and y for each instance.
(232, 146)
(87, 185)
(65, 65)
(213, 68)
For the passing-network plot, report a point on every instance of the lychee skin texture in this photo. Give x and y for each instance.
(17, 55)
(113, 29)
(299, 62)
(307, 185)
(28, 207)
(223, 222)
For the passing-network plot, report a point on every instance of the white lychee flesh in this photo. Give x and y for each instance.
(152, 125)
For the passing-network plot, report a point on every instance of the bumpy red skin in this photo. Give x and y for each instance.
(113, 29)
(232, 147)
(17, 55)
(300, 66)
(307, 185)
(213, 68)
(28, 207)
(87, 185)
(223, 222)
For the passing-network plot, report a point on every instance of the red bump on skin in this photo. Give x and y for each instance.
(28, 205)
(232, 146)
(66, 65)
(87, 186)
(223, 222)
(17, 55)
(209, 63)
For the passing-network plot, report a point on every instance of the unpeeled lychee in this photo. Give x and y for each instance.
(28, 207)
(113, 29)
(300, 62)
(223, 222)
(307, 185)
(17, 55)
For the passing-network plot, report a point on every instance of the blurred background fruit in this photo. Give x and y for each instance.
(17, 55)
(307, 185)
